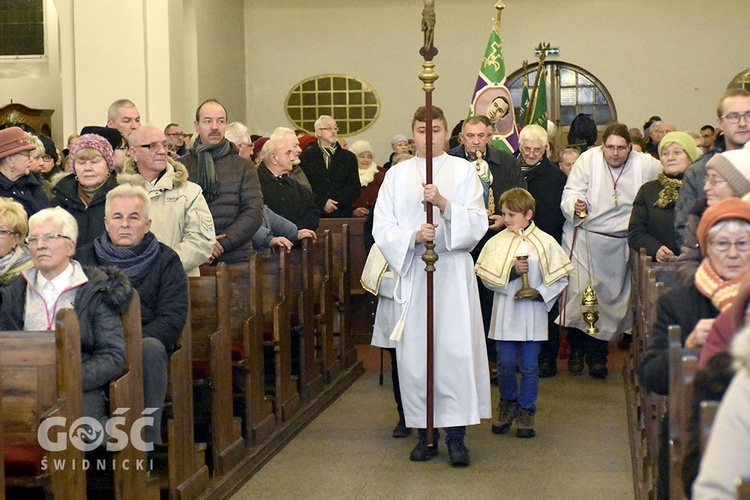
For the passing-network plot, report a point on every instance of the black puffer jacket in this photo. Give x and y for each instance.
(238, 211)
(90, 218)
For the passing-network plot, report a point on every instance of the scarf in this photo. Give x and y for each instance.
(670, 190)
(328, 152)
(208, 180)
(367, 175)
(135, 261)
(720, 292)
(13, 263)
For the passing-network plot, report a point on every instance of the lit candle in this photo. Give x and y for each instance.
(523, 248)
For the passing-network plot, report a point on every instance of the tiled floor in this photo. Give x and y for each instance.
(581, 449)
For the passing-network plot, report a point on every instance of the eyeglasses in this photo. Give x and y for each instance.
(329, 129)
(4, 233)
(612, 149)
(47, 158)
(177, 134)
(154, 146)
(735, 117)
(45, 238)
(712, 180)
(534, 151)
(724, 245)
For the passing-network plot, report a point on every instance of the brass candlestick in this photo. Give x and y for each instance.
(526, 292)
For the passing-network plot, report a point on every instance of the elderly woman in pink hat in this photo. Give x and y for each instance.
(84, 191)
(15, 181)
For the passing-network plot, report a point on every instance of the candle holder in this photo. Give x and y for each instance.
(526, 292)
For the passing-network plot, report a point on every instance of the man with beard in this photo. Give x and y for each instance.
(229, 182)
(596, 202)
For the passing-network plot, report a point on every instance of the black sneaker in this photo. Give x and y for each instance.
(422, 452)
(458, 452)
(547, 369)
(575, 362)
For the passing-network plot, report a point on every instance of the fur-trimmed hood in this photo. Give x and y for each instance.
(114, 283)
(179, 177)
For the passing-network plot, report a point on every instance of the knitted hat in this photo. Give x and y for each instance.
(398, 138)
(49, 146)
(92, 141)
(258, 146)
(734, 167)
(306, 140)
(685, 141)
(113, 136)
(12, 141)
(730, 208)
(360, 147)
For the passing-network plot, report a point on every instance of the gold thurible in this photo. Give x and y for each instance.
(590, 309)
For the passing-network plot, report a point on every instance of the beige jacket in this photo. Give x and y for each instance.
(180, 217)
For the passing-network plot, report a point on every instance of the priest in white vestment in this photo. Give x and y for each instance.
(603, 183)
(461, 382)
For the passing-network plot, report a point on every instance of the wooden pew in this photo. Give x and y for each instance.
(303, 314)
(683, 365)
(358, 255)
(186, 461)
(323, 279)
(277, 330)
(30, 362)
(131, 477)
(212, 363)
(260, 420)
(246, 326)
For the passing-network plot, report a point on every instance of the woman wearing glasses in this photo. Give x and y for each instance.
(724, 238)
(84, 191)
(15, 179)
(652, 220)
(14, 254)
(728, 176)
(97, 295)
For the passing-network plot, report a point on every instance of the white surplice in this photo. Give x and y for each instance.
(591, 179)
(462, 384)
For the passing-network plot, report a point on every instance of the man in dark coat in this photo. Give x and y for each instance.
(545, 183)
(474, 137)
(332, 171)
(282, 194)
(156, 272)
(229, 182)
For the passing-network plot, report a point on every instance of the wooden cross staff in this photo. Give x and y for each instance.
(428, 77)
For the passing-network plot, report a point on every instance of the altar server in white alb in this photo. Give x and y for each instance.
(602, 184)
(462, 387)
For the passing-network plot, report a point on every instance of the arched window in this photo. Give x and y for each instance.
(740, 81)
(570, 90)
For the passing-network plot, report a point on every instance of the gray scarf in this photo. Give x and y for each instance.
(207, 178)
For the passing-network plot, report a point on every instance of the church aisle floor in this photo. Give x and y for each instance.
(581, 449)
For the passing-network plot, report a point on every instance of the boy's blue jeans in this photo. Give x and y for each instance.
(527, 353)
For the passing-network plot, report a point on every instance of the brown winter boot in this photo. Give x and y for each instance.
(506, 413)
(525, 424)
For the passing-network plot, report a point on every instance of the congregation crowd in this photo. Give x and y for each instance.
(522, 239)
